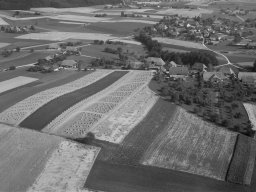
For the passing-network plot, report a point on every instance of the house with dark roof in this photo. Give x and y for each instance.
(214, 77)
(179, 70)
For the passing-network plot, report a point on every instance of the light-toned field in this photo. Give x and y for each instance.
(89, 114)
(131, 21)
(117, 125)
(32, 161)
(3, 22)
(71, 23)
(127, 41)
(61, 36)
(192, 145)
(4, 45)
(79, 18)
(61, 10)
(185, 12)
(67, 169)
(179, 43)
(18, 112)
(15, 82)
(251, 111)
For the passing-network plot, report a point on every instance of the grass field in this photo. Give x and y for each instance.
(242, 164)
(192, 145)
(37, 122)
(14, 83)
(105, 176)
(185, 12)
(251, 111)
(4, 45)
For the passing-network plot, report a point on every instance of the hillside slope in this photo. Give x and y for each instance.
(26, 4)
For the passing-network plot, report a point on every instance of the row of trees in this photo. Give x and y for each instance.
(155, 50)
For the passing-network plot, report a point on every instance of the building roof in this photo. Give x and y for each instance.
(210, 75)
(173, 64)
(48, 58)
(70, 63)
(155, 61)
(199, 66)
(183, 70)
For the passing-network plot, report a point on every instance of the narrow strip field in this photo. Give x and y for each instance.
(192, 145)
(251, 111)
(17, 113)
(242, 164)
(126, 99)
(38, 120)
(14, 83)
(32, 161)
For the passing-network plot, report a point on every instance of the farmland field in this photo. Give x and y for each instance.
(192, 145)
(185, 12)
(42, 161)
(176, 42)
(14, 83)
(4, 45)
(93, 115)
(38, 122)
(242, 164)
(251, 111)
(3, 22)
(21, 110)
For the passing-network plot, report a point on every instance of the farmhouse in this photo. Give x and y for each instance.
(69, 64)
(247, 78)
(155, 63)
(199, 67)
(214, 77)
(180, 70)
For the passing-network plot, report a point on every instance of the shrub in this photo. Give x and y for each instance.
(12, 68)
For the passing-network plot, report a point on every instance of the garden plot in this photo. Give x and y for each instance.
(75, 124)
(192, 145)
(179, 43)
(61, 36)
(60, 174)
(117, 125)
(15, 82)
(251, 111)
(17, 113)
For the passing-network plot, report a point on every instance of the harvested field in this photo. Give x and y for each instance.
(61, 10)
(187, 44)
(125, 118)
(60, 174)
(251, 111)
(38, 120)
(14, 83)
(242, 164)
(192, 145)
(79, 18)
(3, 22)
(88, 114)
(61, 36)
(4, 45)
(17, 113)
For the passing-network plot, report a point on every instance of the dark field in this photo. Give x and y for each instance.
(242, 163)
(38, 120)
(106, 176)
(46, 81)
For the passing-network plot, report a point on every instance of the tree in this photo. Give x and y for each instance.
(254, 66)
(17, 49)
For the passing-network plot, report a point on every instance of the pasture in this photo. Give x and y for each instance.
(38, 121)
(15, 83)
(192, 145)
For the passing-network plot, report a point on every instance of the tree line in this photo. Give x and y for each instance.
(155, 50)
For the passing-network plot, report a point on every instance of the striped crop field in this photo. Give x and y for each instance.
(15, 83)
(38, 120)
(251, 111)
(192, 145)
(92, 113)
(32, 161)
(21, 110)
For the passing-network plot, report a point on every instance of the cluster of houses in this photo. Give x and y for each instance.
(222, 74)
(234, 12)
(17, 29)
(196, 29)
